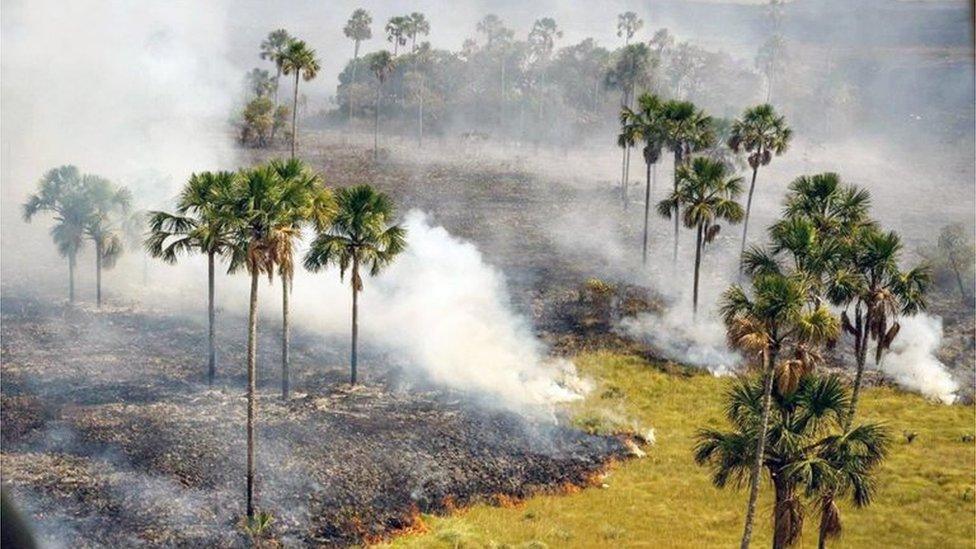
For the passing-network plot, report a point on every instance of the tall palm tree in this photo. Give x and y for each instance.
(644, 124)
(773, 317)
(110, 205)
(360, 235)
(417, 24)
(417, 77)
(396, 32)
(197, 226)
(627, 26)
(806, 448)
(761, 133)
(316, 208)
(877, 291)
(382, 64)
(687, 129)
(300, 60)
(61, 193)
(262, 207)
(706, 193)
(631, 69)
(273, 49)
(357, 29)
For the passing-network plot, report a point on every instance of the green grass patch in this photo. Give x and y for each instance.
(925, 496)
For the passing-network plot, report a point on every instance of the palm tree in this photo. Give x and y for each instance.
(357, 29)
(109, 204)
(773, 317)
(805, 448)
(299, 59)
(273, 49)
(360, 235)
(382, 64)
(707, 194)
(197, 226)
(687, 130)
(630, 70)
(417, 87)
(627, 26)
(761, 133)
(644, 125)
(878, 291)
(262, 207)
(61, 193)
(317, 208)
(417, 24)
(396, 32)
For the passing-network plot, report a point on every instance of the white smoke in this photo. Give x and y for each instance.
(676, 335)
(912, 362)
(442, 309)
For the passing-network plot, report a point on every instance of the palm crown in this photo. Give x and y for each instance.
(197, 225)
(357, 28)
(299, 58)
(643, 124)
(360, 233)
(688, 129)
(706, 193)
(761, 133)
(109, 205)
(61, 193)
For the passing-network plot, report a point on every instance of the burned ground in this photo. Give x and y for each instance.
(110, 438)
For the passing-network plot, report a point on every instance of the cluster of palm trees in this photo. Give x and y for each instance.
(85, 207)
(828, 269)
(400, 30)
(290, 56)
(253, 220)
(705, 186)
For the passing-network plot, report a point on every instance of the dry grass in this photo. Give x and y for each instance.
(925, 497)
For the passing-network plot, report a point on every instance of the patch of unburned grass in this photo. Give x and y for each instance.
(925, 495)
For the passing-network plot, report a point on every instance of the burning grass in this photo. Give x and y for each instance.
(925, 496)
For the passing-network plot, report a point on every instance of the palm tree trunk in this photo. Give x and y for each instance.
(623, 157)
(294, 117)
(211, 317)
(252, 348)
(698, 249)
(98, 275)
(355, 318)
(277, 79)
(352, 82)
(769, 357)
(284, 337)
(647, 210)
(860, 356)
(275, 111)
(786, 522)
(745, 221)
(376, 122)
(677, 164)
(71, 276)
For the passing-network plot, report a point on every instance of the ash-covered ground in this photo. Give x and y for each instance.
(110, 438)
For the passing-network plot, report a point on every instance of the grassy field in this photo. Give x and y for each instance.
(925, 496)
